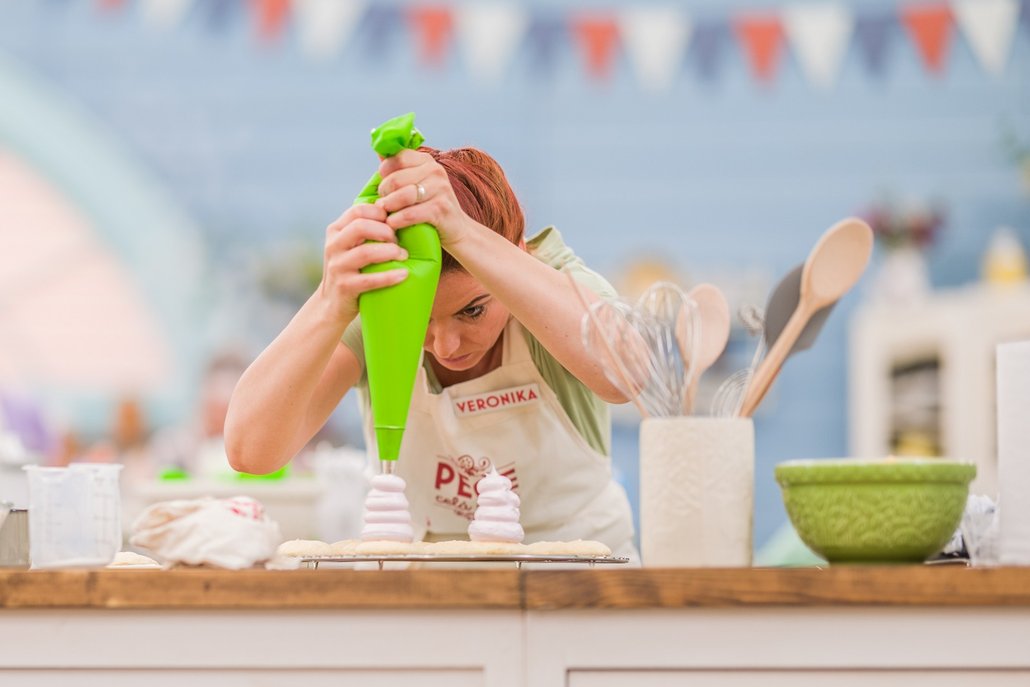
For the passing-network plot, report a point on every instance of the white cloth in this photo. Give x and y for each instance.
(227, 533)
(509, 418)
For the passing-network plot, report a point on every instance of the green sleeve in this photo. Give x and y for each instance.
(549, 247)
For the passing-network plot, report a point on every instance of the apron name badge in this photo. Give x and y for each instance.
(497, 400)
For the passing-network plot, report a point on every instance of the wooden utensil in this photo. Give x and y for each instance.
(714, 331)
(835, 264)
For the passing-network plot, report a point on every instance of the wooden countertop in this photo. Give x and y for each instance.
(517, 590)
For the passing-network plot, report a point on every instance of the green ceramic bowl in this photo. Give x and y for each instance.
(886, 511)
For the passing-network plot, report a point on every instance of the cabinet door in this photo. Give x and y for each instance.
(777, 647)
(243, 678)
(795, 678)
(261, 648)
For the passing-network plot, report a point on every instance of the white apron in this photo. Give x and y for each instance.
(512, 418)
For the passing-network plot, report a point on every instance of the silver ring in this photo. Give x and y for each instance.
(420, 193)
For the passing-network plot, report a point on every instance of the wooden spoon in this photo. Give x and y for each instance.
(835, 264)
(714, 319)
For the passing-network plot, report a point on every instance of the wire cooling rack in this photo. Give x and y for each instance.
(517, 559)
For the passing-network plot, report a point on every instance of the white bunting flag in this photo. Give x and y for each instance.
(489, 33)
(655, 39)
(164, 14)
(989, 26)
(819, 34)
(324, 25)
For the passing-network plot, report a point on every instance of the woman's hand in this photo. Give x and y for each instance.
(415, 188)
(346, 252)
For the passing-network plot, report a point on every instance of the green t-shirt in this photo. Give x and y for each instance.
(589, 414)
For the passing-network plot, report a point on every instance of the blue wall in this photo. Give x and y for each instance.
(262, 145)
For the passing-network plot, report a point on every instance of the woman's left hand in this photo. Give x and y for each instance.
(415, 188)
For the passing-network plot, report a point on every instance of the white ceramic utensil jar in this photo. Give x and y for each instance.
(696, 491)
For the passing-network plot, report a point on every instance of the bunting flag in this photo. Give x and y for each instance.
(544, 37)
(164, 14)
(819, 34)
(656, 40)
(708, 46)
(490, 32)
(220, 13)
(872, 33)
(989, 26)
(270, 16)
(929, 26)
(761, 36)
(597, 35)
(432, 26)
(378, 29)
(324, 25)
(659, 37)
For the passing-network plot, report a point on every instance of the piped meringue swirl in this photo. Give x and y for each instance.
(387, 517)
(497, 511)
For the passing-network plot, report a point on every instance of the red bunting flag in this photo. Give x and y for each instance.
(929, 26)
(270, 16)
(761, 36)
(598, 36)
(433, 26)
(110, 5)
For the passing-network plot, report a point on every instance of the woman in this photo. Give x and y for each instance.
(505, 378)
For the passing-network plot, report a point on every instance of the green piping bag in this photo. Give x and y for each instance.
(394, 319)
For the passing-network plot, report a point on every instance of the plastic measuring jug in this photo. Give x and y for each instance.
(74, 515)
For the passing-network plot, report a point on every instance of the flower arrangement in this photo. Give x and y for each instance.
(910, 225)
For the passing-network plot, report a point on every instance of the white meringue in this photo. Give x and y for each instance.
(387, 517)
(497, 511)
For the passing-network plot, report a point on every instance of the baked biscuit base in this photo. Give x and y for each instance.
(387, 548)
(458, 547)
(131, 558)
(303, 548)
(345, 547)
(310, 548)
(583, 548)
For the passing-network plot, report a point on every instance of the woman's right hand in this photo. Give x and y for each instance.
(347, 251)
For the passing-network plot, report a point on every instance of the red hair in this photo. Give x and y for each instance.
(483, 192)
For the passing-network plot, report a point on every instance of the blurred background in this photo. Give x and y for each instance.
(168, 167)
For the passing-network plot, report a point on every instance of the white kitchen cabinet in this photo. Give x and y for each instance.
(742, 647)
(287, 648)
(949, 340)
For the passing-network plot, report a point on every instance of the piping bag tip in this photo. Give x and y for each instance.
(388, 440)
